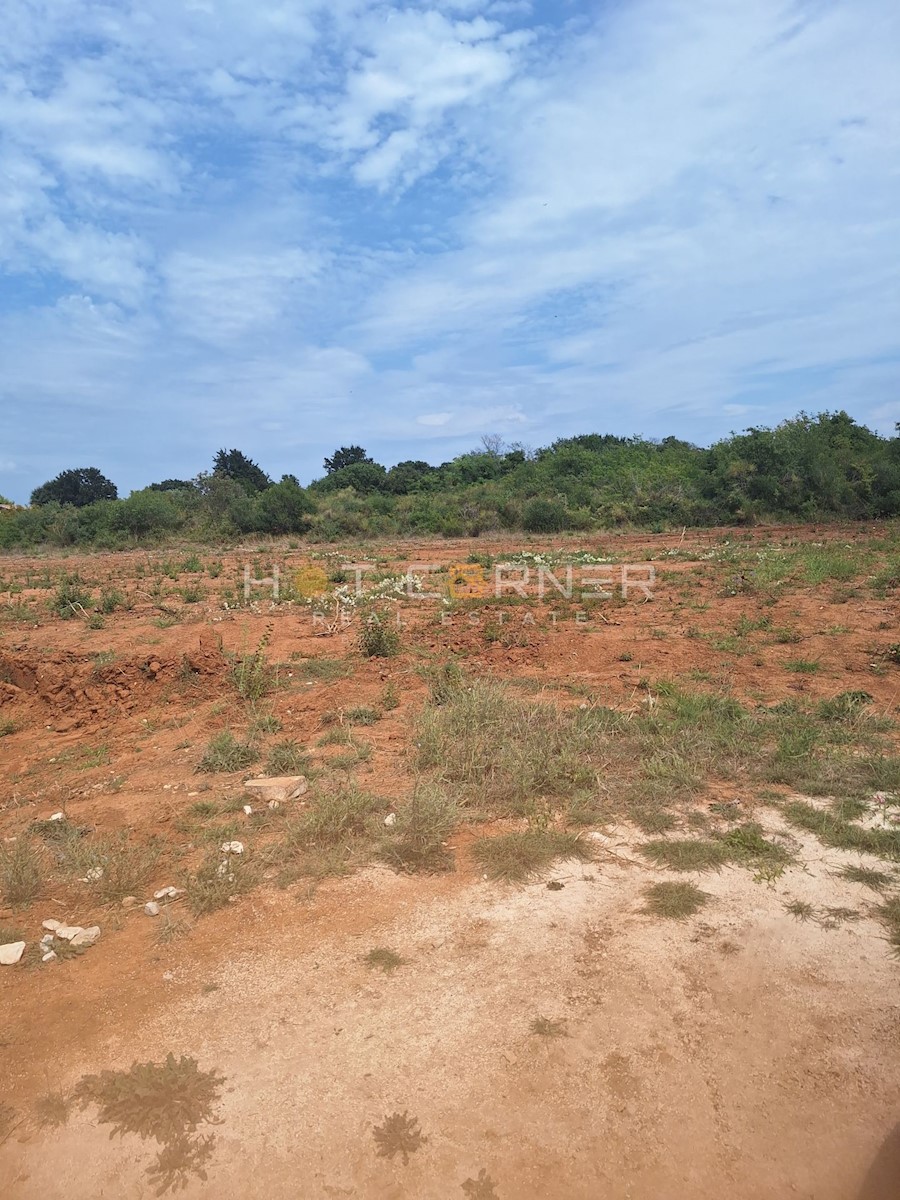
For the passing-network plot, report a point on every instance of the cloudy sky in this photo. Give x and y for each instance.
(288, 224)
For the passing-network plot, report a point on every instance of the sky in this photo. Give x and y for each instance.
(288, 225)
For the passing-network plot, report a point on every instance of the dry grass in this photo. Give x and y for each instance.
(517, 857)
(674, 900)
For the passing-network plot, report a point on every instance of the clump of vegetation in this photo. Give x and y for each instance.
(380, 958)
(802, 910)
(362, 715)
(889, 915)
(21, 873)
(687, 854)
(113, 866)
(166, 1102)
(337, 816)
(517, 857)
(252, 674)
(835, 830)
(379, 637)
(400, 1134)
(71, 598)
(416, 840)
(846, 706)
(219, 879)
(869, 877)
(287, 758)
(225, 753)
(674, 899)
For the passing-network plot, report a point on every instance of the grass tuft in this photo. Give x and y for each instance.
(516, 857)
(674, 899)
(225, 753)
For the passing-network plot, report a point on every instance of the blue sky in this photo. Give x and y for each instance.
(285, 225)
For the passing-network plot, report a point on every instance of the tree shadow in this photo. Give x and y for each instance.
(883, 1179)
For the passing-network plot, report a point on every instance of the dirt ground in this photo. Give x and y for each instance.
(740, 1052)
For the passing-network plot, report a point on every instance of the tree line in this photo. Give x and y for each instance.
(807, 468)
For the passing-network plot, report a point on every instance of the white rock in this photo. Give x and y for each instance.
(168, 893)
(390, 819)
(47, 939)
(93, 875)
(274, 804)
(248, 810)
(69, 931)
(50, 956)
(151, 908)
(11, 953)
(232, 847)
(51, 925)
(87, 937)
(57, 817)
(277, 787)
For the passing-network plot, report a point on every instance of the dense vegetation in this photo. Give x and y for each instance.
(808, 468)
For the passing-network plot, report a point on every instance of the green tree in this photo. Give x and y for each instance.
(284, 508)
(232, 464)
(346, 456)
(79, 486)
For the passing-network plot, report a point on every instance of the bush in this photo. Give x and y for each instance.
(284, 508)
(146, 513)
(543, 516)
(379, 637)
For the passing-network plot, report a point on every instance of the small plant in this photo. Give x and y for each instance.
(889, 915)
(516, 857)
(110, 600)
(416, 840)
(192, 594)
(113, 866)
(252, 674)
(71, 598)
(675, 900)
(217, 881)
(390, 697)
(10, 935)
(383, 959)
(378, 637)
(361, 715)
(204, 808)
(21, 878)
(265, 723)
(549, 1027)
(846, 706)
(7, 727)
(398, 1134)
(805, 666)
(287, 758)
(686, 854)
(868, 876)
(224, 753)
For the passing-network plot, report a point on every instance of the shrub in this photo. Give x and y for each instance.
(544, 516)
(416, 839)
(379, 637)
(225, 753)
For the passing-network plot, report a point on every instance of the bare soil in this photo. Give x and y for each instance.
(740, 1052)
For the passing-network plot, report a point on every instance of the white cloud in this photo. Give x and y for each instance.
(423, 222)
